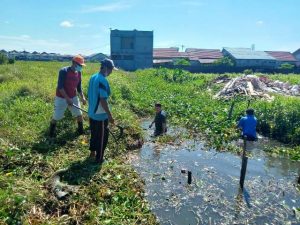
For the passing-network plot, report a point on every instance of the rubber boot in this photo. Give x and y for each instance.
(52, 129)
(80, 128)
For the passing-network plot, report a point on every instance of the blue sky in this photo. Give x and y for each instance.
(83, 26)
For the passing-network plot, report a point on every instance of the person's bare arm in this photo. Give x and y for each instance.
(104, 105)
(81, 95)
(64, 94)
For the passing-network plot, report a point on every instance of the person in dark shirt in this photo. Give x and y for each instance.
(159, 121)
(248, 125)
(68, 85)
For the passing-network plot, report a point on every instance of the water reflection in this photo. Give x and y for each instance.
(214, 197)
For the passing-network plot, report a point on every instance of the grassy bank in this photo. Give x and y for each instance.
(112, 194)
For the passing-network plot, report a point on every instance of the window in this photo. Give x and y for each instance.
(116, 57)
(127, 43)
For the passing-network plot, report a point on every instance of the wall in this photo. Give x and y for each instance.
(132, 50)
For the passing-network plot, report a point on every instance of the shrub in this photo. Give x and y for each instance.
(248, 71)
(11, 60)
(286, 66)
(225, 61)
(3, 58)
(182, 62)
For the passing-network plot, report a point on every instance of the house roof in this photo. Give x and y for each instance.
(190, 53)
(204, 53)
(282, 56)
(168, 53)
(248, 53)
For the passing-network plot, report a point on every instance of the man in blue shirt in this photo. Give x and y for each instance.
(99, 112)
(248, 125)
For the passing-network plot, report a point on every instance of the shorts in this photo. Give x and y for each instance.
(60, 106)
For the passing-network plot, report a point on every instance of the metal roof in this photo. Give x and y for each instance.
(282, 56)
(168, 53)
(191, 53)
(204, 53)
(248, 53)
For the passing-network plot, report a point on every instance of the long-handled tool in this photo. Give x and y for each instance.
(76, 106)
(121, 129)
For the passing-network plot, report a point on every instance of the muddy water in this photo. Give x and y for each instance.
(270, 195)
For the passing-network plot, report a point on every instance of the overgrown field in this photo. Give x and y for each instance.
(112, 194)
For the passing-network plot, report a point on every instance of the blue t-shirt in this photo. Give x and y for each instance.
(248, 124)
(98, 88)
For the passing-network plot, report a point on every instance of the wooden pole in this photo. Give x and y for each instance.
(244, 163)
(189, 177)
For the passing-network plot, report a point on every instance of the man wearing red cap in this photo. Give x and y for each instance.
(69, 83)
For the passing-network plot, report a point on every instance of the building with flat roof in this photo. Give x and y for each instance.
(131, 50)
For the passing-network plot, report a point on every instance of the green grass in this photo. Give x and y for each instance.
(112, 194)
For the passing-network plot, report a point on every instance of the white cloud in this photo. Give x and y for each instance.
(111, 7)
(259, 23)
(30, 44)
(66, 24)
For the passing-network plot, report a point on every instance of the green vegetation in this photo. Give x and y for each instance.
(286, 66)
(112, 194)
(3, 58)
(224, 61)
(182, 62)
(248, 71)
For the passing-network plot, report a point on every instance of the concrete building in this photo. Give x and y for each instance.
(131, 50)
(248, 58)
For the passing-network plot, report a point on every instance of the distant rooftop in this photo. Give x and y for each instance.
(204, 53)
(248, 53)
(168, 53)
(282, 56)
(191, 53)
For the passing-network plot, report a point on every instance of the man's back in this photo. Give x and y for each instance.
(98, 87)
(248, 125)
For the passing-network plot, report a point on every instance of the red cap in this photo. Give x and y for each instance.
(78, 59)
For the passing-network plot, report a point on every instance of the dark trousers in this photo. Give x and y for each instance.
(99, 137)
